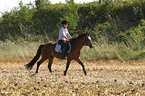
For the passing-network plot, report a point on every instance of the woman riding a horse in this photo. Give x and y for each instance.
(63, 37)
(47, 51)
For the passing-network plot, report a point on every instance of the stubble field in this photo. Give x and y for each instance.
(104, 78)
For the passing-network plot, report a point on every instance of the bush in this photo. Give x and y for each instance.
(12, 23)
(135, 34)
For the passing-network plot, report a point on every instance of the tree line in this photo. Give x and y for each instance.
(116, 20)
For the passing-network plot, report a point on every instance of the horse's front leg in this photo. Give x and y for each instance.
(80, 62)
(67, 66)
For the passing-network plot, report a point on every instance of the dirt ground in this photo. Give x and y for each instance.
(104, 78)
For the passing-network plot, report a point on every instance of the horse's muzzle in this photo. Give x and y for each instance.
(91, 45)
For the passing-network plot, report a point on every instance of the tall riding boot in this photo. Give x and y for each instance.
(63, 52)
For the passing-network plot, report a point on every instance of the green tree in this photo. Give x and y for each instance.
(40, 3)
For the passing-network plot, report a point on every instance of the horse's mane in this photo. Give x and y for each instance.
(78, 37)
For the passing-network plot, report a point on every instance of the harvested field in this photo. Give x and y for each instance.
(104, 78)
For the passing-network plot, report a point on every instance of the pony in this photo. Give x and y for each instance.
(47, 51)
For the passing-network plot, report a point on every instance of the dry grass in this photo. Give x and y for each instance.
(104, 78)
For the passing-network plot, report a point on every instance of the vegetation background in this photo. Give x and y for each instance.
(117, 28)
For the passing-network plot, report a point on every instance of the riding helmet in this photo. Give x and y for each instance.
(64, 22)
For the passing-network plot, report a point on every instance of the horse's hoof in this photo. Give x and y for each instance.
(52, 72)
(64, 73)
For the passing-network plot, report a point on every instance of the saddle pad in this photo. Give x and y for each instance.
(58, 48)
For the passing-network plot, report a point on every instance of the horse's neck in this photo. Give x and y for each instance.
(78, 45)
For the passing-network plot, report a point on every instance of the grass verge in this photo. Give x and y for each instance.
(103, 50)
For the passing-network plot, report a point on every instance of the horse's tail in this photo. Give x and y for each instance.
(33, 61)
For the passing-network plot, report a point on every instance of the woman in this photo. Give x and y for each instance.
(63, 37)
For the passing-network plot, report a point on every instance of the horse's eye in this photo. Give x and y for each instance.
(86, 40)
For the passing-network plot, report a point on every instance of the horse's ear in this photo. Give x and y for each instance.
(90, 33)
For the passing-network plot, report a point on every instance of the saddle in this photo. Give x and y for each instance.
(58, 48)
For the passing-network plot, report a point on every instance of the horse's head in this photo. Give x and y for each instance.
(87, 41)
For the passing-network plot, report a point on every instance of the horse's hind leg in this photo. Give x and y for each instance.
(50, 63)
(38, 64)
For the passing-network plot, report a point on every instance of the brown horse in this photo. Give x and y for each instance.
(48, 52)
